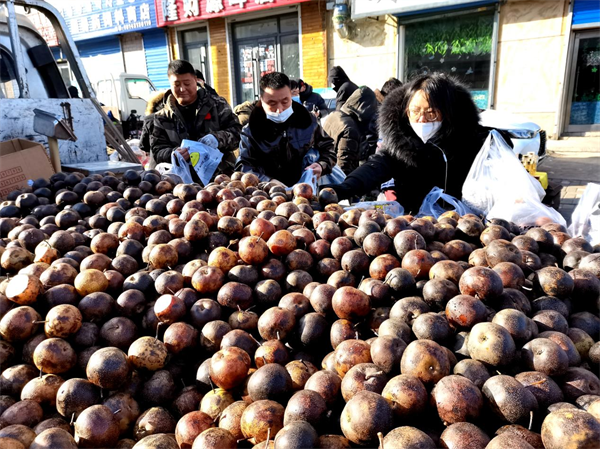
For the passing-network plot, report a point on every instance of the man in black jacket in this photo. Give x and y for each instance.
(342, 85)
(353, 129)
(279, 134)
(191, 112)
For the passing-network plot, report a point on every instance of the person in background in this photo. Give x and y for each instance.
(204, 84)
(311, 99)
(73, 92)
(388, 86)
(431, 135)
(295, 89)
(342, 85)
(155, 104)
(191, 112)
(280, 134)
(353, 129)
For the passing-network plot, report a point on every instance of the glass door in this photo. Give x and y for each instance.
(264, 46)
(584, 90)
(195, 50)
(256, 58)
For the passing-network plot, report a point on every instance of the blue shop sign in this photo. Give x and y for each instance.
(88, 19)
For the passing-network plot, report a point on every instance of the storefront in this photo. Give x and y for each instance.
(115, 36)
(583, 103)
(455, 37)
(237, 39)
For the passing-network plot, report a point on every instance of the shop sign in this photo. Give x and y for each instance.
(370, 8)
(88, 19)
(174, 12)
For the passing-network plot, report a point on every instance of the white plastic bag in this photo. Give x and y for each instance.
(431, 207)
(497, 174)
(392, 208)
(180, 167)
(204, 158)
(586, 216)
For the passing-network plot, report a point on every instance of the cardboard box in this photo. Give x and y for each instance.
(22, 161)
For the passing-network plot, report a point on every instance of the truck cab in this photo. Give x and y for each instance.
(126, 97)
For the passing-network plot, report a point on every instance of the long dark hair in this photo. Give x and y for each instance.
(446, 94)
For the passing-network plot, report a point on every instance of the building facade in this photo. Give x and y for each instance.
(116, 36)
(534, 58)
(234, 42)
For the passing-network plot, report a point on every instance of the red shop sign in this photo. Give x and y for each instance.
(174, 12)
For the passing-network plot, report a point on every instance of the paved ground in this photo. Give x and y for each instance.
(573, 162)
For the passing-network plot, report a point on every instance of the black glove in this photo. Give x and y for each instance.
(342, 190)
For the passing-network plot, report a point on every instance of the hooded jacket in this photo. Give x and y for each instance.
(353, 129)
(416, 167)
(155, 104)
(342, 85)
(312, 99)
(243, 111)
(213, 116)
(276, 150)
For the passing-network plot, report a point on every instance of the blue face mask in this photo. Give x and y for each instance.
(279, 117)
(296, 99)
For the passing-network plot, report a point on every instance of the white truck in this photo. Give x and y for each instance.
(32, 90)
(126, 97)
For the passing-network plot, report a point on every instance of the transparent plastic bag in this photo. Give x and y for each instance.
(337, 175)
(586, 216)
(432, 207)
(180, 167)
(392, 208)
(498, 175)
(308, 177)
(525, 212)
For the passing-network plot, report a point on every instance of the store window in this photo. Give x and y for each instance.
(264, 46)
(460, 45)
(194, 45)
(585, 83)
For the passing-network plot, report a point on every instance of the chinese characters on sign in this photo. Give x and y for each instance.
(172, 12)
(87, 19)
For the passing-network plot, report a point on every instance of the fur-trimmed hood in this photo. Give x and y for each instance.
(155, 103)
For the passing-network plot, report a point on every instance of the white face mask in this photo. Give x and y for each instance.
(279, 117)
(426, 130)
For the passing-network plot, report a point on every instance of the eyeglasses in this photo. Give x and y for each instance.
(430, 115)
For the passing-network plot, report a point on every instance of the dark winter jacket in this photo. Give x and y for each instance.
(342, 85)
(353, 129)
(273, 150)
(312, 99)
(415, 167)
(213, 116)
(155, 104)
(243, 111)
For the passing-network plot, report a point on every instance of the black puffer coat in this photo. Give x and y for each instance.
(342, 85)
(276, 150)
(213, 116)
(353, 129)
(416, 167)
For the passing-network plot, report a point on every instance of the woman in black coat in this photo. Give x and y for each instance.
(431, 135)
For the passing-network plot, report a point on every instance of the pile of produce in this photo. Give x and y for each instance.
(141, 312)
